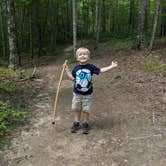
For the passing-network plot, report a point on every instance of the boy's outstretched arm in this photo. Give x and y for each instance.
(105, 69)
(68, 72)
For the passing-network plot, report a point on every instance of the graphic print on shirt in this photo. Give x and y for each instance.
(83, 80)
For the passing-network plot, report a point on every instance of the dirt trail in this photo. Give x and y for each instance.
(128, 121)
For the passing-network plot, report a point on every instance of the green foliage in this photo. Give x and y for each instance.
(24, 74)
(4, 142)
(72, 59)
(9, 117)
(25, 2)
(9, 79)
(11, 86)
(7, 71)
(153, 65)
(6, 80)
(124, 45)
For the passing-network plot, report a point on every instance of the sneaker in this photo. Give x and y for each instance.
(85, 127)
(76, 126)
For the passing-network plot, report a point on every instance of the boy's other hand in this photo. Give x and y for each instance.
(114, 64)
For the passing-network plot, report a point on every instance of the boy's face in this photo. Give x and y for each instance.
(83, 57)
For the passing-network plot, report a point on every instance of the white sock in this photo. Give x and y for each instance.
(76, 120)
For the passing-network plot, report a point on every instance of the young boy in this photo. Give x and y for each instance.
(83, 87)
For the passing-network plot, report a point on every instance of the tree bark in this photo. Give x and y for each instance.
(155, 24)
(53, 24)
(2, 31)
(30, 33)
(147, 12)
(21, 27)
(141, 24)
(39, 28)
(12, 35)
(85, 17)
(97, 23)
(131, 16)
(112, 16)
(103, 18)
(96, 17)
(74, 26)
(163, 19)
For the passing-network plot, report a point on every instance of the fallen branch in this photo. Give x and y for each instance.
(34, 71)
(145, 137)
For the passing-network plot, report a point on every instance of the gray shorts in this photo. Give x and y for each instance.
(82, 102)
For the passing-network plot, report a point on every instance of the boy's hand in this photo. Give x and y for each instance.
(69, 74)
(66, 67)
(105, 69)
(114, 64)
(65, 64)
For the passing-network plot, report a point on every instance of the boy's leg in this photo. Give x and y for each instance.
(76, 122)
(77, 116)
(76, 108)
(85, 116)
(85, 124)
(86, 107)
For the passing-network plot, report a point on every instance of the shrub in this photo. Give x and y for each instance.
(153, 65)
(9, 117)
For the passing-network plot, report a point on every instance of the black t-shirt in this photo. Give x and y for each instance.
(83, 78)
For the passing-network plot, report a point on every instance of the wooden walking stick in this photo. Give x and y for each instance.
(57, 92)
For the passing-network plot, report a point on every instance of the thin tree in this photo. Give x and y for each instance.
(141, 24)
(131, 15)
(163, 19)
(12, 35)
(104, 16)
(96, 20)
(85, 17)
(38, 26)
(112, 16)
(30, 33)
(53, 33)
(147, 13)
(155, 24)
(74, 26)
(97, 23)
(2, 30)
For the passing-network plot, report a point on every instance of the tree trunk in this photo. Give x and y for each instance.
(147, 12)
(141, 24)
(85, 18)
(97, 23)
(30, 33)
(131, 16)
(163, 19)
(117, 22)
(39, 28)
(69, 20)
(53, 24)
(96, 19)
(112, 16)
(103, 13)
(12, 35)
(21, 26)
(155, 24)
(2, 31)
(74, 26)
(46, 17)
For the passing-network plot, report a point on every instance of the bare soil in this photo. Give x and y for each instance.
(128, 122)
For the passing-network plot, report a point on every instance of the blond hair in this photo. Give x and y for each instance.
(82, 49)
